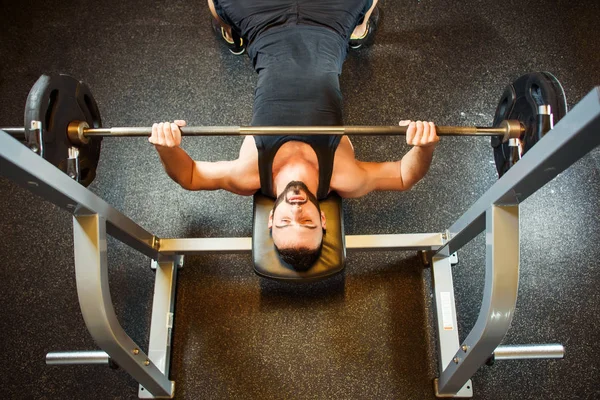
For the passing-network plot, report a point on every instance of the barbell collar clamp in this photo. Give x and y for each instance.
(513, 129)
(76, 133)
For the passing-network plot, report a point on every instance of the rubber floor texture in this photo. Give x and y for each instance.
(367, 334)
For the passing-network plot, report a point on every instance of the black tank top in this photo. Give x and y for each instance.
(323, 145)
(298, 85)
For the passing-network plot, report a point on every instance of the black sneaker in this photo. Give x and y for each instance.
(236, 47)
(367, 38)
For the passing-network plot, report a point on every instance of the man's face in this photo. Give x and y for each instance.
(296, 220)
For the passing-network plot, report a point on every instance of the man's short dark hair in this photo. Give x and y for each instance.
(301, 259)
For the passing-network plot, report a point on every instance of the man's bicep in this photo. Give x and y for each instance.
(210, 175)
(382, 176)
(232, 176)
(356, 180)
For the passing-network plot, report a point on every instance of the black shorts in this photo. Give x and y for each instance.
(250, 18)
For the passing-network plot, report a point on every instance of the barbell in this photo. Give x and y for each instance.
(63, 123)
(79, 132)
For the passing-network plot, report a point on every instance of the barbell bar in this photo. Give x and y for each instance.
(79, 131)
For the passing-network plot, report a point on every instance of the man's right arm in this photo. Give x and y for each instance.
(195, 175)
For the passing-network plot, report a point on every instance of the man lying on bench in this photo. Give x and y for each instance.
(298, 57)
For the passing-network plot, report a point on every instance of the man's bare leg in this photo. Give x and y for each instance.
(360, 30)
(226, 28)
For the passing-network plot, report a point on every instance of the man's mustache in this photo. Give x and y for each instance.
(296, 192)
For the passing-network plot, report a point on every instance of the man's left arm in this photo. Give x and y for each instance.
(397, 175)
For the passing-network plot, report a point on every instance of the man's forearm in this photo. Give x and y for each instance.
(415, 164)
(178, 164)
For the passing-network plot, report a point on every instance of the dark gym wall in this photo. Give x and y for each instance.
(366, 334)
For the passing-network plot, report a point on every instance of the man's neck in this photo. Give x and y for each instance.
(296, 171)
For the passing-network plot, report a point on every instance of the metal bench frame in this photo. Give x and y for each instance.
(496, 212)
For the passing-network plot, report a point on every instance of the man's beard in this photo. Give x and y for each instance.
(296, 186)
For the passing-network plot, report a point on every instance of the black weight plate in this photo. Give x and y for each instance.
(56, 100)
(520, 101)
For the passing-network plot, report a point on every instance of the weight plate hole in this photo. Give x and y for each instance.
(90, 106)
(84, 174)
(536, 94)
(52, 99)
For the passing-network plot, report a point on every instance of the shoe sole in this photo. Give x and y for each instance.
(237, 53)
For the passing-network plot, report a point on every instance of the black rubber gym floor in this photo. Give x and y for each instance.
(367, 334)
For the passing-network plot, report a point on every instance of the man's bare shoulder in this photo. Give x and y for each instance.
(347, 175)
(245, 176)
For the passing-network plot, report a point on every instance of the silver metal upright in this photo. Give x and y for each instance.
(91, 271)
(163, 314)
(447, 324)
(497, 213)
(498, 304)
(93, 220)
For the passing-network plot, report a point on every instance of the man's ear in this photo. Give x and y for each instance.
(270, 224)
(323, 221)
